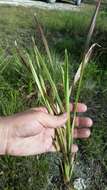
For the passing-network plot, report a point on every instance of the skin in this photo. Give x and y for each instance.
(32, 132)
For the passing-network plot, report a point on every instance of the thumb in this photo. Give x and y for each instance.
(51, 121)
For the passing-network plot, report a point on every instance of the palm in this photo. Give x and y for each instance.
(31, 138)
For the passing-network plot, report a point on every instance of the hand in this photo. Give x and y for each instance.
(32, 132)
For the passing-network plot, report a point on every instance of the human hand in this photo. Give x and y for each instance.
(32, 132)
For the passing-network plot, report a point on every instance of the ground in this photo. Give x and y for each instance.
(42, 4)
(63, 30)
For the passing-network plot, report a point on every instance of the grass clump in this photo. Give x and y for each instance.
(43, 75)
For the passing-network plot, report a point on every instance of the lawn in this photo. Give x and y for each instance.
(62, 30)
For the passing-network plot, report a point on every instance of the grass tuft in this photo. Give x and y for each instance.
(43, 75)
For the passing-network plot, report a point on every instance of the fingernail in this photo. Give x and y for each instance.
(89, 122)
(87, 133)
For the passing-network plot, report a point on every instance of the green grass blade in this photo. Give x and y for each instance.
(67, 101)
(4, 63)
(35, 76)
(49, 77)
(82, 67)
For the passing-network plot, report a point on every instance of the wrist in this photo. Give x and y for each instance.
(3, 136)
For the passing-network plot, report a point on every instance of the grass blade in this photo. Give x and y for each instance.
(67, 101)
(44, 40)
(92, 26)
(49, 77)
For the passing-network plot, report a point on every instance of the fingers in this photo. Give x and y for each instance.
(48, 120)
(51, 121)
(80, 107)
(74, 148)
(83, 121)
(81, 133)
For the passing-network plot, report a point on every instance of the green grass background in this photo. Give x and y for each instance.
(62, 30)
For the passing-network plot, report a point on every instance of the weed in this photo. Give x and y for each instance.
(44, 74)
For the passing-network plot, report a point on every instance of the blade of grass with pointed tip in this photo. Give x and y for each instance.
(53, 86)
(37, 80)
(67, 101)
(84, 62)
(44, 40)
(92, 26)
(86, 57)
